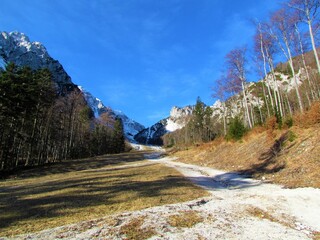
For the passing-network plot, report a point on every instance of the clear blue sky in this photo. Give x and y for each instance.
(139, 56)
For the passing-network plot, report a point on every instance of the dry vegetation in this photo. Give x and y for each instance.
(267, 214)
(85, 189)
(185, 219)
(288, 156)
(134, 230)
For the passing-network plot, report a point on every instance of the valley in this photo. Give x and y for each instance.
(223, 136)
(231, 206)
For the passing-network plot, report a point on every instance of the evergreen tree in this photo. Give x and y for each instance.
(118, 136)
(236, 129)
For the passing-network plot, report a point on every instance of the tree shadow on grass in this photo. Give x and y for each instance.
(75, 165)
(268, 160)
(58, 198)
(268, 163)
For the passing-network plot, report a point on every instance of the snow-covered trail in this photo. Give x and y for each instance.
(298, 208)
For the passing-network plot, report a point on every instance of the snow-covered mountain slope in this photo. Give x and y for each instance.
(94, 103)
(130, 127)
(178, 119)
(17, 48)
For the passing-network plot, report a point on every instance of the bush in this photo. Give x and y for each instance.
(289, 122)
(236, 129)
(291, 136)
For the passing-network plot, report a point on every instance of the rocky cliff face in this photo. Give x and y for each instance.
(16, 47)
(178, 119)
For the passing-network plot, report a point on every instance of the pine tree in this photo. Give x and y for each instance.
(118, 136)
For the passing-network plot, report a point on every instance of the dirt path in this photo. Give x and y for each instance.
(298, 209)
(238, 208)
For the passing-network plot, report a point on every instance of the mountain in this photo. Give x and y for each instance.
(130, 127)
(178, 119)
(17, 48)
(94, 103)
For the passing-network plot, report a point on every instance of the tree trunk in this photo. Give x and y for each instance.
(314, 45)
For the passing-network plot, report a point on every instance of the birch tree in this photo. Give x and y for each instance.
(307, 11)
(282, 31)
(220, 92)
(236, 61)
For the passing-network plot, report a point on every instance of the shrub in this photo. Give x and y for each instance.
(291, 136)
(288, 122)
(236, 129)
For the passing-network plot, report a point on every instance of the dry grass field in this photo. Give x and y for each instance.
(77, 190)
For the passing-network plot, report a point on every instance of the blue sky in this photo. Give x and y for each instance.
(139, 56)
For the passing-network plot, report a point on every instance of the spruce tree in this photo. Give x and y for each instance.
(118, 136)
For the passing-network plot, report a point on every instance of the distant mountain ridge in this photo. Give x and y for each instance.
(16, 47)
(178, 119)
(131, 127)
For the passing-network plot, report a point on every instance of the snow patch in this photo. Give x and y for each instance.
(173, 126)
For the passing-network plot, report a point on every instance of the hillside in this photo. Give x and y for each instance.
(289, 157)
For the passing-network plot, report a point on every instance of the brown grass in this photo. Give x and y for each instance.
(262, 214)
(134, 230)
(185, 219)
(81, 190)
(288, 157)
(309, 118)
(316, 235)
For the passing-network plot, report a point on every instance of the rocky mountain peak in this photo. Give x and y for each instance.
(178, 119)
(177, 112)
(17, 48)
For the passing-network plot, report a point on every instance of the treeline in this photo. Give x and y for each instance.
(289, 34)
(38, 126)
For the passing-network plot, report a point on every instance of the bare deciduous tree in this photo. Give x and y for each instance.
(307, 11)
(236, 61)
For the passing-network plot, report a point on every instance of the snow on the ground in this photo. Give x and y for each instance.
(303, 204)
(226, 214)
(141, 147)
